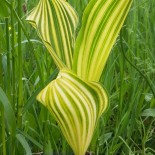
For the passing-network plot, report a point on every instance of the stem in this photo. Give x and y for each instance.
(12, 142)
(8, 58)
(1, 70)
(20, 58)
(13, 56)
(3, 131)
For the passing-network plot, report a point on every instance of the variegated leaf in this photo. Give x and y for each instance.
(77, 106)
(56, 21)
(101, 24)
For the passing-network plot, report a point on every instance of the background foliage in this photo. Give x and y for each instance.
(128, 127)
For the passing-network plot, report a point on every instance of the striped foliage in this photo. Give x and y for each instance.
(75, 101)
(55, 21)
(76, 105)
(101, 24)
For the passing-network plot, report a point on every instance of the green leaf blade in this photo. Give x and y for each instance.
(24, 143)
(8, 112)
(148, 112)
(102, 22)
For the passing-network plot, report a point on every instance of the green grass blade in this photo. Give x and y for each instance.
(2, 135)
(101, 24)
(31, 139)
(10, 119)
(8, 112)
(55, 21)
(76, 106)
(24, 143)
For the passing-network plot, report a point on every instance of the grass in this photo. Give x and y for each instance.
(26, 67)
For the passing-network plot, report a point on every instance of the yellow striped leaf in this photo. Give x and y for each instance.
(76, 106)
(56, 21)
(101, 24)
(75, 101)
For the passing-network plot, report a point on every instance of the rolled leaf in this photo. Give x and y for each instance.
(76, 106)
(102, 21)
(56, 21)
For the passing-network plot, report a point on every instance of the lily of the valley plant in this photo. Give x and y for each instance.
(75, 98)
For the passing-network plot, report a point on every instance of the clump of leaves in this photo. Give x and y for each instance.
(75, 98)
